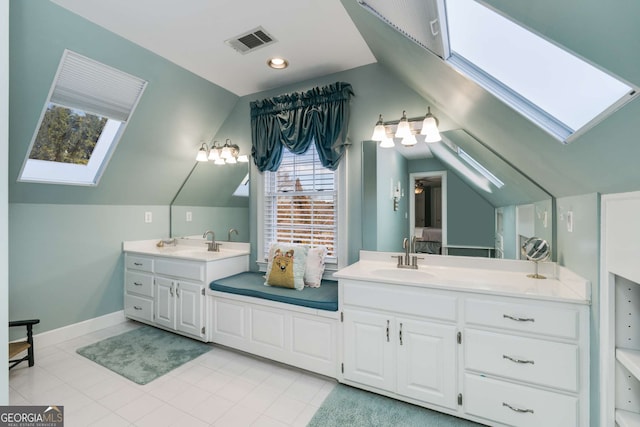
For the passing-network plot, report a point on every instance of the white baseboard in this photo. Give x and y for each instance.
(65, 333)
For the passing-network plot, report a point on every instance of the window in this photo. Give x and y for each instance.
(555, 89)
(243, 188)
(300, 203)
(85, 115)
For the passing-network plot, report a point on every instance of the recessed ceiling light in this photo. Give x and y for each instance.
(278, 63)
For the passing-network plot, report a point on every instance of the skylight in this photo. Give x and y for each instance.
(87, 111)
(560, 92)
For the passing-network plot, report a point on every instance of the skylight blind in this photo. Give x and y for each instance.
(301, 203)
(92, 87)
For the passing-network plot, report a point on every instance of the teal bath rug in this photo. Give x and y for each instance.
(144, 354)
(348, 406)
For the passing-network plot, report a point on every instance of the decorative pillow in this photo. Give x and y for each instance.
(315, 266)
(286, 265)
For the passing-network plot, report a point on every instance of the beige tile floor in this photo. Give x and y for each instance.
(219, 388)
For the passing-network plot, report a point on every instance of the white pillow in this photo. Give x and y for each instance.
(315, 266)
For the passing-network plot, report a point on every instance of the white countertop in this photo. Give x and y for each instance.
(480, 275)
(194, 249)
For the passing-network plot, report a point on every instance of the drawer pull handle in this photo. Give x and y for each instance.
(139, 264)
(137, 307)
(514, 360)
(400, 333)
(519, 319)
(137, 284)
(522, 411)
(387, 331)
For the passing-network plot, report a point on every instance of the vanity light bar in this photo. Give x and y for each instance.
(477, 166)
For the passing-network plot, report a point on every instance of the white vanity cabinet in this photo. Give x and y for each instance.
(495, 359)
(179, 305)
(138, 288)
(526, 362)
(170, 291)
(401, 340)
(166, 293)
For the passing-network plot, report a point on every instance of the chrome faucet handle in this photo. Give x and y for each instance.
(414, 260)
(399, 259)
(213, 246)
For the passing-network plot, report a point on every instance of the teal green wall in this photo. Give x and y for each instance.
(392, 225)
(65, 241)
(369, 217)
(218, 219)
(470, 218)
(580, 252)
(66, 262)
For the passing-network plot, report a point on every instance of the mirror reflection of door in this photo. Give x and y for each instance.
(427, 213)
(499, 233)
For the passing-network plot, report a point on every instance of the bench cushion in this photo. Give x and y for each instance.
(252, 284)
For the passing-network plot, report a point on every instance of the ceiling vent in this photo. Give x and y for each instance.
(251, 40)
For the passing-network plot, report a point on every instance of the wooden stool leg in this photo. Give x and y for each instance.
(30, 351)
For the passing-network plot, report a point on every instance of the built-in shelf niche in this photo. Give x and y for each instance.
(627, 352)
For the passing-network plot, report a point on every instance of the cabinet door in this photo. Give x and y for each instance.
(164, 303)
(427, 361)
(189, 301)
(369, 350)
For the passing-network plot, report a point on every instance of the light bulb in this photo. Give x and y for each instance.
(202, 154)
(404, 128)
(387, 143)
(379, 131)
(409, 140)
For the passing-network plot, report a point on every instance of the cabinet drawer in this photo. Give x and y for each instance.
(550, 321)
(518, 405)
(533, 360)
(192, 270)
(139, 263)
(139, 307)
(139, 283)
(401, 299)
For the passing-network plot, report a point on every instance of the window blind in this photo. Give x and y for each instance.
(87, 85)
(300, 203)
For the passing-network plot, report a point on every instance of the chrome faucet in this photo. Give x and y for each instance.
(233, 230)
(212, 245)
(410, 261)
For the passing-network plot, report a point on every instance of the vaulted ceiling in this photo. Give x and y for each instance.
(320, 37)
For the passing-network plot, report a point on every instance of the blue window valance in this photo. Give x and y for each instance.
(294, 120)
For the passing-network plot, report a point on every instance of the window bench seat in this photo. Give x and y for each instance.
(299, 328)
(252, 284)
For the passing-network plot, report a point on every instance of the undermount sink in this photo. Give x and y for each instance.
(402, 274)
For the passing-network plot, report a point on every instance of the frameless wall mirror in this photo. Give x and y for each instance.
(460, 198)
(213, 197)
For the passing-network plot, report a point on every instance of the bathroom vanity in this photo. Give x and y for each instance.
(475, 338)
(166, 286)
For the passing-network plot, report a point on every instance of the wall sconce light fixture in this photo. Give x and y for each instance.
(404, 129)
(226, 154)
